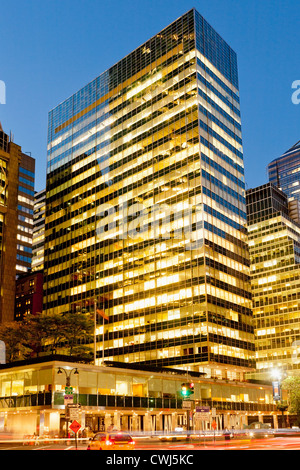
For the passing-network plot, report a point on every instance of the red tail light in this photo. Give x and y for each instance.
(109, 443)
(131, 442)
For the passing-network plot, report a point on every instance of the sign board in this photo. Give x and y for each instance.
(68, 399)
(186, 404)
(75, 426)
(68, 396)
(202, 409)
(203, 413)
(73, 413)
(276, 390)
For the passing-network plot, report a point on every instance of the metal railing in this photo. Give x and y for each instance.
(116, 401)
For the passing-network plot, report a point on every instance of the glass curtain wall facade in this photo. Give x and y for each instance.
(38, 236)
(284, 172)
(25, 213)
(146, 214)
(274, 243)
(10, 162)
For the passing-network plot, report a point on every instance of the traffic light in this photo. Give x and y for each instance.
(187, 389)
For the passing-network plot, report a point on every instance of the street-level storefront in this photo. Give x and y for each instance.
(43, 396)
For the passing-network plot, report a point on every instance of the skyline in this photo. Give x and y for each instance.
(263, 36)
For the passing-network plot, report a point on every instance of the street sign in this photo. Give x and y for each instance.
(202, 409)
(68, 399)
(187, 404)
(73, 413)
(203, 413)
(276, 390)
(75, 426)
(68, 396)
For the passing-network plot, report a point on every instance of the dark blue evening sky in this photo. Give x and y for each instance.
(51, 48)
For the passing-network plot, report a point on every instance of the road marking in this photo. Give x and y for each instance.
(41, 448)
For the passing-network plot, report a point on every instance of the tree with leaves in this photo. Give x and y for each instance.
(282, 406)
(292, 385)
(48, 333)
(12, 336)
(77, 328)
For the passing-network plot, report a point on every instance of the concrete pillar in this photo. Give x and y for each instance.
(275, 421)
(53, 422)
(226, 421)
(159, 426)
(147, 422)
(135, 422)
(244, 421)
(107, 420)
(117, 420)
(174, 420)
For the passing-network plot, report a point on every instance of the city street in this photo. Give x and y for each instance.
(273, 443)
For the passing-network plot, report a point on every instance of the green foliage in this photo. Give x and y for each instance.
(11, 334)
(292, 385)
(282, 406)
(48, 333)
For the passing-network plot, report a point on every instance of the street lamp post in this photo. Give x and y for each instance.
(68, 375)
(68, 384)
(278, 375)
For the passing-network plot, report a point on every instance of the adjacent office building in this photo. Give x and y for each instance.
(38, 238)
(146, 210)
(284, 172)
(10, 158)
(274, 243)
(16, 220)
(25, 213)
(29, 295)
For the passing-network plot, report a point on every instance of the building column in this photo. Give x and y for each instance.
(147, 422)
(135, 422)
(107, 421)
(174, 420)
(244, 421)
(117, 420)
(159, 426)
(227, 421)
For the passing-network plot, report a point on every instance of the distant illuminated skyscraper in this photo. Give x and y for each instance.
(284, 172)
(25, 213)
(274, 243)
(16, 216)
(38, 239)
(146, 209)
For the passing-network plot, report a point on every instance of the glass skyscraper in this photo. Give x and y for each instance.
(284, 172)
(146, 213)
(274, 243)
